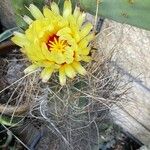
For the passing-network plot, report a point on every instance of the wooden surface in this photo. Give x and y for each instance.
(131, 53)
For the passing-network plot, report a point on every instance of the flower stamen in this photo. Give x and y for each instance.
(55, 44)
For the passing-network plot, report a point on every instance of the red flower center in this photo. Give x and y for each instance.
(51, 39)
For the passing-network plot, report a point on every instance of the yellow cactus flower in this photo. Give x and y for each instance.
(56, 42)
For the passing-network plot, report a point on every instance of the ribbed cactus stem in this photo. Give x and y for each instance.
(133, 12)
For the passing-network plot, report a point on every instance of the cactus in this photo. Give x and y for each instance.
(133, 12)
(20, 9)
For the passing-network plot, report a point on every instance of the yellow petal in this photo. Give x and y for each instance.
(62, 23)
(46, 52)
(69, 70)
(84, 51)
(34, 52)
(90, 37)
(86, 30)
(37, 50)
(67, 37)
(81, 19)
(54, 8)
(56, 66)
(19, 34)
(29, 34)
(48, 13)
(77, 66)
(77, 57)
(47, 63)
(86, 58)
(63, 31)
(72, 22)
(19, 39)
(46, 32)
(76, 12)
(67, 8)
(57, 57)
(46, 73)
(31, 68)
(69, 55)
(83, 43)
(74, 28)
(27, 19)
(36, 13)
(62, 76)
(37, 27)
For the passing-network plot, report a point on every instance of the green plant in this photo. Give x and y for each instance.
(133, 12)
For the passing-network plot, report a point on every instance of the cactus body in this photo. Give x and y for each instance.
(133, 12)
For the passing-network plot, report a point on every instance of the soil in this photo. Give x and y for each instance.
(10, 70)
